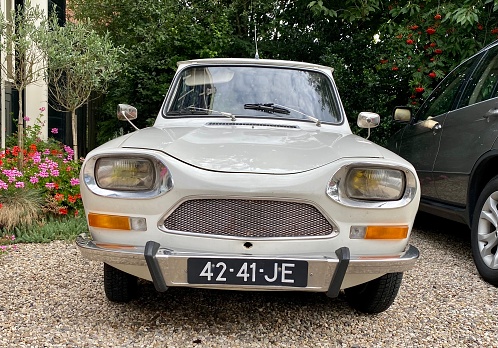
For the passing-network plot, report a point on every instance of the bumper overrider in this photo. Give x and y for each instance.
(170, 268)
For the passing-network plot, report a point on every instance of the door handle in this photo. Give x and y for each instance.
(491, 113)
(432, 125)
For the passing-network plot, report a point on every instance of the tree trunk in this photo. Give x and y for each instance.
(74, 122)
(20, 134)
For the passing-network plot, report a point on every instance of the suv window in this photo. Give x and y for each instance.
(443, 97)
(484, 82)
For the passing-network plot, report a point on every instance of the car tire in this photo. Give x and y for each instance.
(118, 285)
(376, 295)
(484, 234)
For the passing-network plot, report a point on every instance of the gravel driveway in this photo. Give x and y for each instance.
(51, 297)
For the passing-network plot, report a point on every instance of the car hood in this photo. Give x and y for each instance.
(253, 148)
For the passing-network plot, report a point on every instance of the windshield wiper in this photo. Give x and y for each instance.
(309, 117)
(199, 111)
(277, 108)
(269, 108)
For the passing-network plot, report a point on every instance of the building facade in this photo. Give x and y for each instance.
(35, 97)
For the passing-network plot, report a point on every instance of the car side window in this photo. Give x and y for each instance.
(443, 97)
(484, 82)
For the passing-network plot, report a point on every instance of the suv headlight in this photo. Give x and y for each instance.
(127, 176)
(363, 185)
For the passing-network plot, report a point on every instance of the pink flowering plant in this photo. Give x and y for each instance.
(49, 167)
(6, 244)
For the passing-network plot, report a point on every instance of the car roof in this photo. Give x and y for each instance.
(253, 61)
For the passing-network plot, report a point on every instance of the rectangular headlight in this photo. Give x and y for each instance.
(125, 174)
(379, 184)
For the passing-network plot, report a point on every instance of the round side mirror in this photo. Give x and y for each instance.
(126, 112)
(368, 120)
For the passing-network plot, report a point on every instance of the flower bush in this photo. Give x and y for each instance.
(48, 167)
(6, 244)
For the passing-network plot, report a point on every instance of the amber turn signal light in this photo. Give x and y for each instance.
(379, 232)
(114, 222)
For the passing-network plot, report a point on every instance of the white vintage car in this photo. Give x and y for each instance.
(250, 179)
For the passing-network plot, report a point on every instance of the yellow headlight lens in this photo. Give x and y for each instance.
(127, 174)
(375, 184)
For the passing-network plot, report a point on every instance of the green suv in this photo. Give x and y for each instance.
(452, 143)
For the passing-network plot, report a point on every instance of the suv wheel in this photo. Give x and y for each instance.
(376, 295)
(118, 285)
(484, 238)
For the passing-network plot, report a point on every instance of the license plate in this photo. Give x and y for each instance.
(247, 272)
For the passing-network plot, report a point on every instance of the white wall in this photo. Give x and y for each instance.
(36, 94)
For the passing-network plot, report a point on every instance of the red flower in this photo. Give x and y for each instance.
(479, 26)
(394, 68)
(413, 96)
(414, 27)
(432, 75)
(419, 89)
(414, 103)
(494, 31)
(63, 211)
(383, 61)
(409, 42)
(59, 197)
(430, 31)
(433, 44)
(72, 199)
(437, 17)
(438, 51)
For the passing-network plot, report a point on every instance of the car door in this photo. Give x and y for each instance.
(419, 146)
(468, 131)
(420, 140)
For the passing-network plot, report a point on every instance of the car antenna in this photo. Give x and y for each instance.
(256, 56)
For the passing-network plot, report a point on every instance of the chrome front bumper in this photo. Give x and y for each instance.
(169, 268)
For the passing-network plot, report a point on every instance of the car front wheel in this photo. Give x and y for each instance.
(484, 238)
(376, 295)
(118, 285)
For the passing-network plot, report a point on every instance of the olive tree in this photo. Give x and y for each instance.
(23, 59)
(80, 61)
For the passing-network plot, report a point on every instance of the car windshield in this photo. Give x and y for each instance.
(255, 92)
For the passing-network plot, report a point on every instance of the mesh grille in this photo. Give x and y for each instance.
(248, 218)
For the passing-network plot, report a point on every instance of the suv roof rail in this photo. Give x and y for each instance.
(489, 45)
